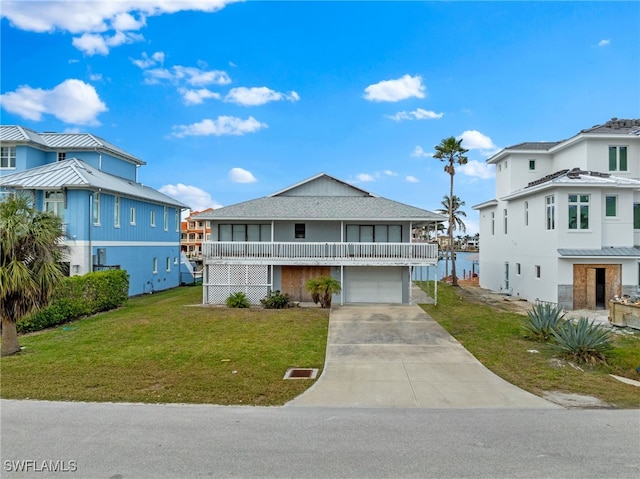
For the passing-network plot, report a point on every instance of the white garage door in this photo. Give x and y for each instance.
(373, 284)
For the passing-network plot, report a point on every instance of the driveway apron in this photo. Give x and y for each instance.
(397, 356)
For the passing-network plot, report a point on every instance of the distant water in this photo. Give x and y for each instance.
(464, 267)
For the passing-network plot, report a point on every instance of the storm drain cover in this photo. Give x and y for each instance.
(301, 373)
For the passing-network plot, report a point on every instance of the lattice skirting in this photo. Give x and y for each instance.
(220, 280)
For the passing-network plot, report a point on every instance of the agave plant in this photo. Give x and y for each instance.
(584, 341)
(542, 321)
(237, 300)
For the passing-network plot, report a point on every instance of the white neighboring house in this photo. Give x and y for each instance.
(565, 224)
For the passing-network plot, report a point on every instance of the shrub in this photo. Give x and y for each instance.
(78, 296)
(275, 300)
(238, 300)
(542, 320)
(583, 341)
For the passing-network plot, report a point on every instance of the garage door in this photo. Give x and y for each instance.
(373, 284)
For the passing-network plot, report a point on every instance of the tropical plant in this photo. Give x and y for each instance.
(451, 152)
(30, 254)
(275, 300)
(542, 320)
(237, 300)
(322, 289)
(584, 341)
(456, 204)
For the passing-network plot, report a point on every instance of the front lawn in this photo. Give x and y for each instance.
(166, 348)
(497, 339)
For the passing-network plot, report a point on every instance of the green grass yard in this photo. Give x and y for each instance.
(166, 348)
(496, 338)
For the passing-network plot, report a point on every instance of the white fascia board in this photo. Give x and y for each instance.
(486, 204)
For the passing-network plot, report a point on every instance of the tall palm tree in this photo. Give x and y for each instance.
(30, 255)
(454, 225)
(451, 152)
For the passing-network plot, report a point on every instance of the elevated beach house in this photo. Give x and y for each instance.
(111, 220)
(564, 226)
(320, 226)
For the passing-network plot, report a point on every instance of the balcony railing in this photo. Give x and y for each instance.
(300, 253)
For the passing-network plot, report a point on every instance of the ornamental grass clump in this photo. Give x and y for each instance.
(584, 341)
(238, 300)
(542, 321)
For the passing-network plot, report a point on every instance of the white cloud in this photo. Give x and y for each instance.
(197, 199)
(191, 75)
(238, 175)
(364, 177)
(95, 77)
(396, 90)
(96, 17)
(418, 114)
(258, 96)
(411, 179)
(604, 42)
(474, 140)
(195, 97)
(477, 169)
(72, 101)
(96, 44)
(390, 173)
(223, 125)
(148, 62)
(419, 152)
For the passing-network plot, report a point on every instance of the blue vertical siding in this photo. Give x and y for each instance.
(27, 157)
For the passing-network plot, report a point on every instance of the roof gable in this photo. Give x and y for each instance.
(322, 185)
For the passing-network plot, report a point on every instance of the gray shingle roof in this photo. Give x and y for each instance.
(534, 145)
(63, 141)
(617, 126)
(322, 208)
(607, 251)
(74, 173)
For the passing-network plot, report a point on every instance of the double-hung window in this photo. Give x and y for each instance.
(611, 206)
(96, 209)
(8, 157)
(54, 203)
(578, 212)
(617, 158)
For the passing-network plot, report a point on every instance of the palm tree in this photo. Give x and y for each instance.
(451, 152)
(456, 204)
(322, 289)
(30, 255)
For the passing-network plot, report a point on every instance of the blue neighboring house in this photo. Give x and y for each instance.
(112, 221)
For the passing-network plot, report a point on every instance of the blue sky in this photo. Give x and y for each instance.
(230, 101)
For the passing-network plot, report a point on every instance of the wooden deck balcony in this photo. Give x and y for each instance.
(329, 254)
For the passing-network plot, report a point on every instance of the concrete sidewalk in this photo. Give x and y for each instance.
(398, 356)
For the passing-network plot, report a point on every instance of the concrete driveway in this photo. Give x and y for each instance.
(398, 356)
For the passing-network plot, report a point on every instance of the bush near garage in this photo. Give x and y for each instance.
(79, 296)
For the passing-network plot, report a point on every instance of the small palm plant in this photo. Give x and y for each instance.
(238, 300)
(542, 321)
(584, 341)
(322, 289)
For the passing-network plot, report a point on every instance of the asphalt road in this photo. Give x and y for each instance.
(89, 440)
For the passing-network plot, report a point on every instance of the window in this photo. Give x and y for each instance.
(504, 213)
(518, 269)
(165, 218)
(54, 203)
(155, 266)
(132, 216)
(244, 232)
(537, 270)
(493, 223)
(532, 165)
(299, 230)
(578, 212)
(611, 206)
(116, 211)
(62, 155)
(617, 158)
(153, 218)
(192, 225)
(550, 205)
(177, 220)
(175, 260)
(526, 213)
(96, 208)
(636, 216)
(506, 164)
(8, 157)
(168, 264)
(374, 233)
